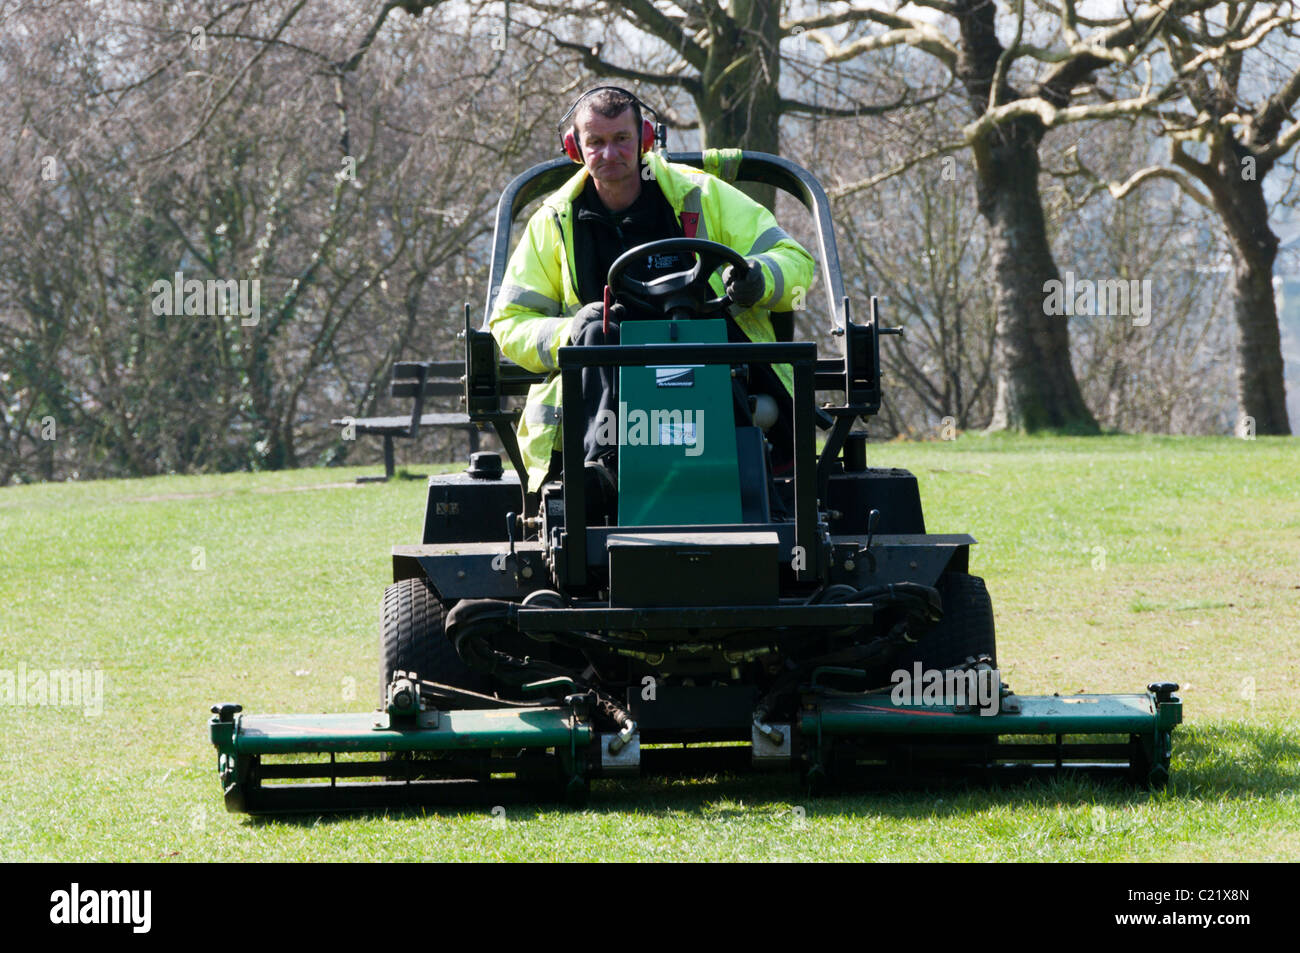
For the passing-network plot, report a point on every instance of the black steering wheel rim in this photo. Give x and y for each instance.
(688, 288)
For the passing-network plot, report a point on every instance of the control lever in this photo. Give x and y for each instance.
(873, 520)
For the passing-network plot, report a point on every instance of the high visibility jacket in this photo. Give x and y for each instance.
(533, 310)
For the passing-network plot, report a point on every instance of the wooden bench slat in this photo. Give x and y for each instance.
(410, 370)
(432, 388)
(402, 425)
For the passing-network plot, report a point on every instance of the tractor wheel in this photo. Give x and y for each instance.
(965, 630)
(411, 639)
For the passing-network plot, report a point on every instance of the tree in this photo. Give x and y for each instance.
(341, 166)
(726, 57)
(915, 239)
(1164, 366)
(1017, 93)
(1234, 111)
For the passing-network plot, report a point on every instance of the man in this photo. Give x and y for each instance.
(626, 195)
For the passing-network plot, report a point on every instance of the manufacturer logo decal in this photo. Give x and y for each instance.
(674, 377)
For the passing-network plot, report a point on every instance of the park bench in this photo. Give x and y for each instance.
(417, 380)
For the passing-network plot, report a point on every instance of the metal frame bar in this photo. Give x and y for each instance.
(696, 617)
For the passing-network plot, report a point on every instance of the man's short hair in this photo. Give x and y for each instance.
(609, 103)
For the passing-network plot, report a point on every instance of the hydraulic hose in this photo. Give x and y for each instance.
(472, 623)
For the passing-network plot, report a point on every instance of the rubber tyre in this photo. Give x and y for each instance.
(965, 630)
(412, 639)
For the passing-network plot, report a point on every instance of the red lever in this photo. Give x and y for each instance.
(605, 313)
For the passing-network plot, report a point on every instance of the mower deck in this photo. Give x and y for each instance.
(447, 757)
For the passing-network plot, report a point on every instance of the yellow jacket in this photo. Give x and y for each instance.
(533, 310)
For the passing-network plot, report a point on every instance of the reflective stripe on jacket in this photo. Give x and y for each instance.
(533, 309)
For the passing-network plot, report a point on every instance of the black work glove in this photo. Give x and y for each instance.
(587, 314)
(746, 289)
(593, 313)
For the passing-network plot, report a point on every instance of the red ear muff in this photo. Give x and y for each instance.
(571, 146)
(647, 141)
(569, 139)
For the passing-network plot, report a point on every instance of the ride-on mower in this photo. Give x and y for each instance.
(711, 614)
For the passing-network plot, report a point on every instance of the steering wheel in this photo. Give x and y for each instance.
(687, 290)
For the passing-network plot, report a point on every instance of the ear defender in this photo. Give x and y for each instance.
(573, 152)
(571, 146)
(569, 137)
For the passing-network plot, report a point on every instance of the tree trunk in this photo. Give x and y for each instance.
(1261, 387)
(740, 98)
(1036, 387)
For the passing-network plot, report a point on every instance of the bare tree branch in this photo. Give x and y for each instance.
(1004, 60)
(353, 61)
(846, 190)
(654, 21)
(1050, 116)
(1269, 116)
(859, 109)
(591, 60)
(823, 20)
(230, 87)
(923, 36)
(1119, 190)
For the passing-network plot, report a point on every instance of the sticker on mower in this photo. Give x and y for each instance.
(675, 434)
(674, 376)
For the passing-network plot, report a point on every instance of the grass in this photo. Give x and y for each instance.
(1112, 562)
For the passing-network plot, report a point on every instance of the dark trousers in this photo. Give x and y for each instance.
(599, 395)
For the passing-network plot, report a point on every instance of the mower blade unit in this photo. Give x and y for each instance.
(850, 738)
(840, 739)
(430, 753)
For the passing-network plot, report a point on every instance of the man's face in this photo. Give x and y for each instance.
(610, 147)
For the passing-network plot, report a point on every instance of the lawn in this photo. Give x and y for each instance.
(1112, 562)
